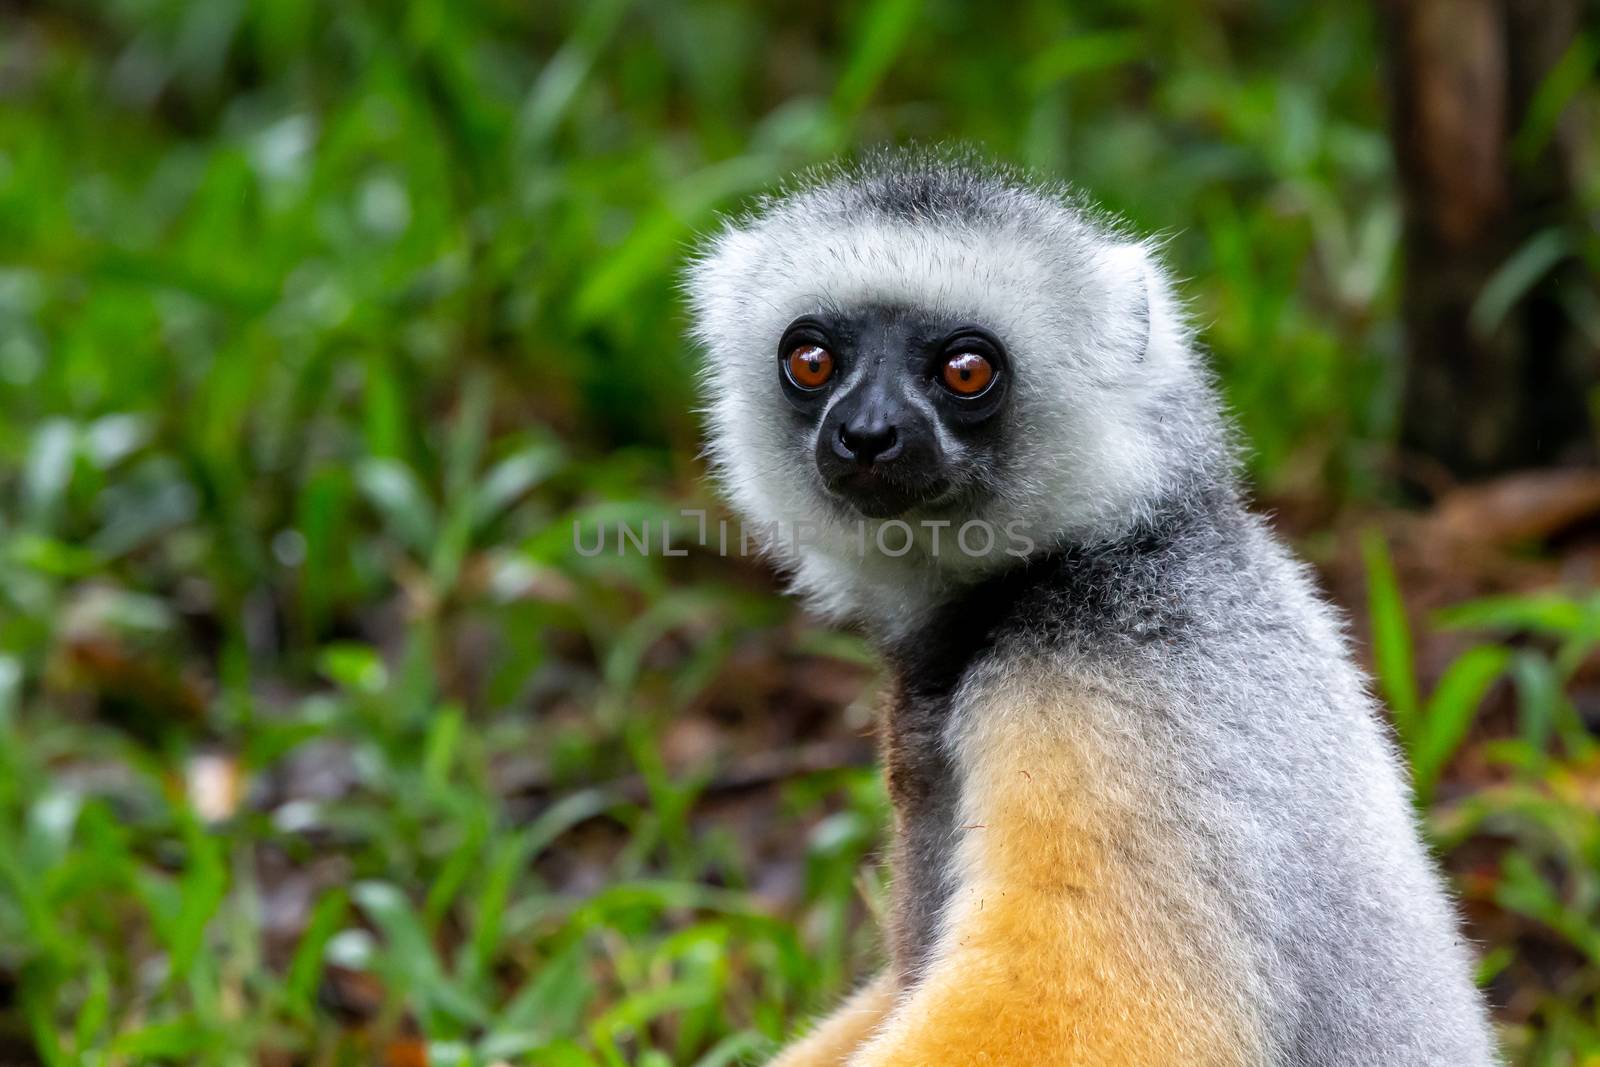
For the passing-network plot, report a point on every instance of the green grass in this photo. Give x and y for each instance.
(320, 325)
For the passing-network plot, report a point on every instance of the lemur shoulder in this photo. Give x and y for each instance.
(1146, 812)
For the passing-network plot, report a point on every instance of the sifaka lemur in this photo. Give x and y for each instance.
(1145, 810)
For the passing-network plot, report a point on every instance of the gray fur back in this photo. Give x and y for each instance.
(1238, 688)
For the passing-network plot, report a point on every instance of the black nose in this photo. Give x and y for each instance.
(868, 442)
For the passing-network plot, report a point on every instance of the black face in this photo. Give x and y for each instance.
(881, 382)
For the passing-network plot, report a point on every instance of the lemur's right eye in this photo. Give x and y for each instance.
(810, 366)
(967, 374)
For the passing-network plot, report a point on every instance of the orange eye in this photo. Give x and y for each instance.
(967, 374)
(810, 366)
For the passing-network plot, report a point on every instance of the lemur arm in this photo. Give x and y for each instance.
(1060, 945)
(833, 1039)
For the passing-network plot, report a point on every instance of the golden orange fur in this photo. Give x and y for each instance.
(1068, 940)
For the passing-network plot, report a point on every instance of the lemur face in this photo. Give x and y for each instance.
(901, 408)
(922, 344)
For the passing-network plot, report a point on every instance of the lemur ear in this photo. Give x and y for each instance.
(725, 278)
(1125, 300)
(1151, 326)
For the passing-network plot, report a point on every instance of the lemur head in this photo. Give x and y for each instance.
(927, 343)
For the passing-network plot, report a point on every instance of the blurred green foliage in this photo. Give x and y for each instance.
(321, 322)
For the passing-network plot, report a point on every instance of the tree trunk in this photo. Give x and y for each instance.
(1486, 392)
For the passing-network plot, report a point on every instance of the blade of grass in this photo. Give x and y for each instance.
(1391, 637)
(1450, 711)
(305, 969)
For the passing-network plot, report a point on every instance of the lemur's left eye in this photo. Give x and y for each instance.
(967, 373)
(810, 366)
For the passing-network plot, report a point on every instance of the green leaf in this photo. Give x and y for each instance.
(40, 989)
(439, 750)
(564, 1054)
(411, 964)
(183, 1039)
(513, 477)
(463, 862)
(1450, 711)
(357, 668)
(387, 427)
(48, 470)
(305, 969)
(632, 1012)
(557, 86)
(95, 1011)
(1391, 636)
(50, 556)
(396, 494)
(1516, 278)
(1570, 75)
(552, 1003)
(1082, 53)
(1538, 700)
(1551, 613)
(736, 1048)
(879, 38)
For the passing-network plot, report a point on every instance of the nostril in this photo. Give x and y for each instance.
(867, 444)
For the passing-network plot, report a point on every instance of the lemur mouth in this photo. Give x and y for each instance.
(877, 495)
